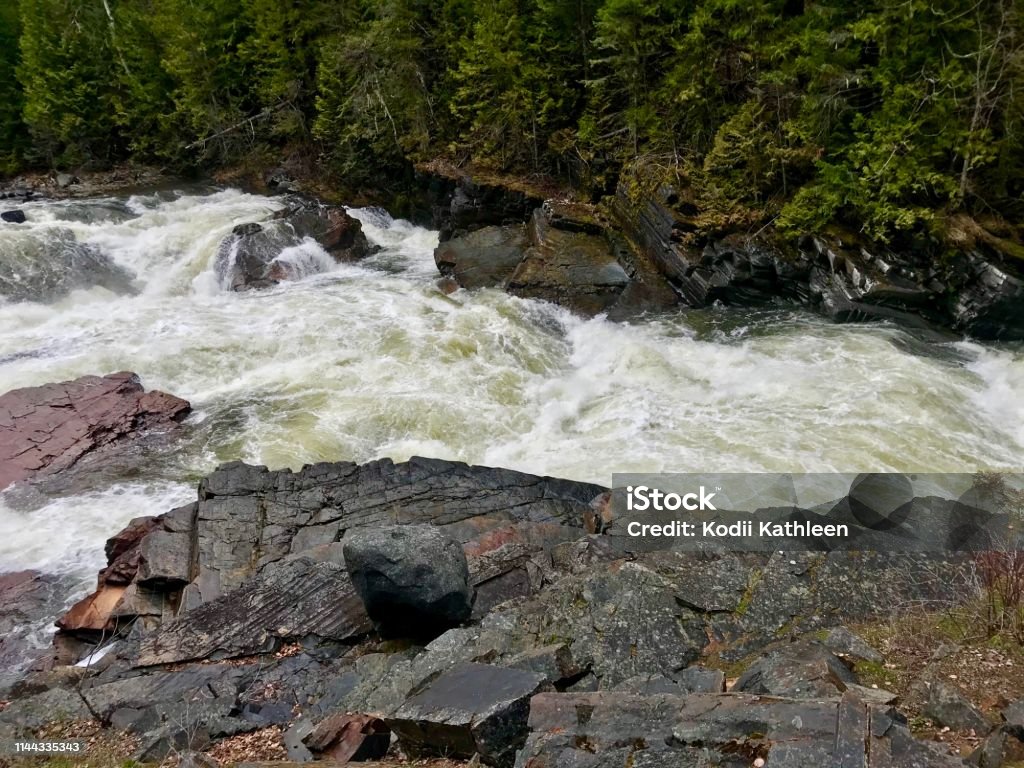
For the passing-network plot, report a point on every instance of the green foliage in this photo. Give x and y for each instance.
(66, 74)
(887, 114)
(12, 139)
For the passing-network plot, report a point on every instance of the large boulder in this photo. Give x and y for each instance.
(49, 428)
(13, 217)
(255, 254)
(484, 258)
(576, 269)
(413, 580)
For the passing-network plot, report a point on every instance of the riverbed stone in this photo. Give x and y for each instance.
(413, 579)
(484, 258)
(47, 429)
(575, 269)
(13, 217)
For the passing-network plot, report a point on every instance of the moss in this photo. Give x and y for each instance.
(748, 594)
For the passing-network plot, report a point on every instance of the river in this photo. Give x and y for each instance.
(356, 362)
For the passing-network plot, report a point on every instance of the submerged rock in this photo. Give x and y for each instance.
(47, 429)
(44, 265)
(413, 580)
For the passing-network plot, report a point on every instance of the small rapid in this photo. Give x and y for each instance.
(361, 361)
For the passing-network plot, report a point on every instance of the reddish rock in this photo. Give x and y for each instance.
(350, 738)
(93, 614)
(49, 428)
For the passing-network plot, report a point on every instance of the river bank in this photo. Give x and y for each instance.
(333, 359)
(648, 248)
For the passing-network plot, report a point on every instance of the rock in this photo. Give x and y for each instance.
(331, 226)
(460, 204)
(13, 217)
(978, 292)
(295, 599)
(574, 269)
(1001, 747)
(28, 599)
(25, 714)
(413, 580)
(656, 730)
(47, 429)
(990, 296)
(196, 760)
(689, 680)
(484, 258)
(948, 707)
(470, 709)
(251, 256)
(46, 264)
(349, 738)
(164, 559)
(65, 180)
(1013, 716)
(798, 670)
(843, 642)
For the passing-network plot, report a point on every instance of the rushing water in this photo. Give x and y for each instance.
(363, 361)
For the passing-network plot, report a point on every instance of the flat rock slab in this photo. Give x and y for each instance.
(294, 600)
(49, 428)
(605, 729)
(470, 709)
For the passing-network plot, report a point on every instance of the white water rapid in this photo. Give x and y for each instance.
(360, 362)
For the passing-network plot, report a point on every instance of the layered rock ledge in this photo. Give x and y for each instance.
(236, 613)
(643, 250)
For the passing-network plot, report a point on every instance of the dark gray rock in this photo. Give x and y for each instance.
(1013, 716)
(27, 713)
(295, 599)
(690, 680)
(248, 258)
(13, 217)
(734, 730)
(797, 670)
(980, 292)
(471, 709)
(27, 599)
(574, 269)
(484, 258)
(164, 559)
(948, 707)
(843, 642)
(460, 204)
(44, 265)
(413, 579)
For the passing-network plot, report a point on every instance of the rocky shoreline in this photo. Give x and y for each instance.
(249, 609)
(636, 252)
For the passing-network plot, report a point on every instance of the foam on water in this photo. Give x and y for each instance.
(355, 362)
